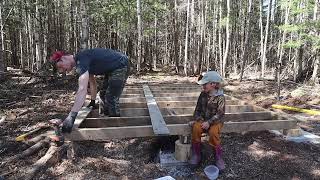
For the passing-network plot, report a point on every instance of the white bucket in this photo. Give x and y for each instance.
(212, 172)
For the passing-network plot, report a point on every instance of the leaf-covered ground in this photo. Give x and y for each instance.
(254, 155)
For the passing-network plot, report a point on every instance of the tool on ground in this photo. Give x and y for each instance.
(30, 134)
(58, 137)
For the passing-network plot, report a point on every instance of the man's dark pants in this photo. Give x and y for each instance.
(113, 85)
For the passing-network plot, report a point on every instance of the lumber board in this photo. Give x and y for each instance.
(131, 95)
(162, 90)
(132, 112)
(82, 114)
(174, 94)
(175, 129)
(139, 99)
(158, 124)
(151, 86)
(178, 98)
(178, 119)
(169, 104)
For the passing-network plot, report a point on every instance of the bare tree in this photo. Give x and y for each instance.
(225, 55)
(139, 25)
(84, 25)
(186, 41)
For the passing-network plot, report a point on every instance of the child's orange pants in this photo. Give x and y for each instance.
(214, 133)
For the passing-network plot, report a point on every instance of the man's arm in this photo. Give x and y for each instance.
(81, 93)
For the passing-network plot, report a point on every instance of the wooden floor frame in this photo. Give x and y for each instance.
(171, 107)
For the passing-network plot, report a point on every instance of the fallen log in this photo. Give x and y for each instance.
(52, 157)
(34, 140)
(31, 150)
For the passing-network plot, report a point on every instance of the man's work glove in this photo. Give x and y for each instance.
(68, 122)
(92, 104)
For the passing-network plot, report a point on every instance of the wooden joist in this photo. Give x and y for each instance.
(176, 94)
(132, 112)
(169, 104)
(82, 114)
(158, 99)
(166, 90)
(158, 124)
(175, 129)
(142, 99)
(166, 109)
(177, 119)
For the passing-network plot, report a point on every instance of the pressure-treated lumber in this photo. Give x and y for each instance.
(132, 112)
(82, 114)
(177, 98)
(162, 94)
(158, 124)
(177, 119)
(169, 104)
(175, 129)
(156, 90)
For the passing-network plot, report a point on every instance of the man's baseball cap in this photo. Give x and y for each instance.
(210, 76)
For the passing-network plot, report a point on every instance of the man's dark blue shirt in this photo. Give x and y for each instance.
(99, 61)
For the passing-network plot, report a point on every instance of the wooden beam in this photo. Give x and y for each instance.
(178, 119)
(82, 114)
(156, 91)
(151, 86)
(139, 99)
(132, 112)
(158, 124)
(131, 96)
(175, 94)
(162, 89)
(175, 129)
(178, 98)
(168, 104)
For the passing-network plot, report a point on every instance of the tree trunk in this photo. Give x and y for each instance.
(2, 65)
(155, 56)
(314, 77)
(247, 40)
(263, 63)
(36, 36)
(284, 33)
(186, 41)
(176, 36)
(139, 26)
(225, 55)
(220, 37)
(261, 37)
(202, 35)
(84, 25)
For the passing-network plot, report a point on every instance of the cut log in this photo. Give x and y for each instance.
(52, 156)
(31, 150)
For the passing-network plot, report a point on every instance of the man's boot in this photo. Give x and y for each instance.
(196, 154)
(219, 161)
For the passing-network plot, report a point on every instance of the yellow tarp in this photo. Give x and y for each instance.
(290, 108)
